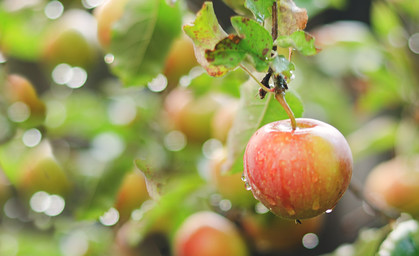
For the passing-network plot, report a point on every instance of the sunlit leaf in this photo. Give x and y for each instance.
(252, 39)
(299, 40)
(141, 40)
(252, 114)
(402, 241)
(205, 32)
(260, 8)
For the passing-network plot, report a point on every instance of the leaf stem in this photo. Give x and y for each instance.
(257, 81)
(280, 97)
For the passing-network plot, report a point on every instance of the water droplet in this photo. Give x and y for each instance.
(247, 186)
(243, 177)
(290, 210)
(329, 211)
(316, 205)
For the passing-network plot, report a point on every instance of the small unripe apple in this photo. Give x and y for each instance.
(301, 173)
(208, 234)
(270, 233)
(229, 186)
(20, 89)
(191, 115)
(180, 60)
(106, 15)
(223, 120)
(131, 194)
(394, 184)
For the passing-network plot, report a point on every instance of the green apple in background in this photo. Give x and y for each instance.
(301, 173)
(208, 234)
(131, 194)
(394, 184)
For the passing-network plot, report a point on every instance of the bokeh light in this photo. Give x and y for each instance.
(53, 10)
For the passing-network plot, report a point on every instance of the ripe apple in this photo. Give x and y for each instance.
(208, 234)
(229, 186)
(394, 184)
(180, 60)
(19, 89)
(106, 15)
(191, 115)
(269, 233)
(298, 174)
(131, 194)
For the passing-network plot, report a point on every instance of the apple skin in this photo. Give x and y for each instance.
(394, 185)
(131, 194)
(298, 174)
(269, 233)
(208, 234)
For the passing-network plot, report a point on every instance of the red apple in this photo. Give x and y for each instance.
(394, 184)
(298, 174)
(208, 234)
(131, 194)
(270, 233)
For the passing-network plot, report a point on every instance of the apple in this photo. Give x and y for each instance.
(206, 233)
(223, 120)
(69, 40)
(20, 89)
(106, 15)
(180, 60)
(42, 172)
(269, 233)
(190, 114)
(394, 184)
(131, 194)
(229, 186)
(301, 173)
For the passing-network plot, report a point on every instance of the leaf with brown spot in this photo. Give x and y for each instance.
(290, 17)
(301, 41)
(205, 32)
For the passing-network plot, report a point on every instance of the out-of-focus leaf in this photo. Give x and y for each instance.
(252, 114)
(205, 32)
(260, 8)
(314, 8)
(238, 6)
(141, 40)
(291, 18)
(383, 19)
(18, 36)
(300, 41)
(402, 241)
(252, 39)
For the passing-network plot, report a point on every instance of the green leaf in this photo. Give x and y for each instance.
(291, 18)
(205, 32)
(280, 65)
(253, 113)
(252, 39)
(402, 241)
(260, 8)
(299, 40)
(141, 39)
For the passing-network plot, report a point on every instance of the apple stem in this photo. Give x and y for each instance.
(280, 97)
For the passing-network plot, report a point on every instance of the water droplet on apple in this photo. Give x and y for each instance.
(316, 205)
(329, 211)
(243, 177)
(290, 210)
(247, 186)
